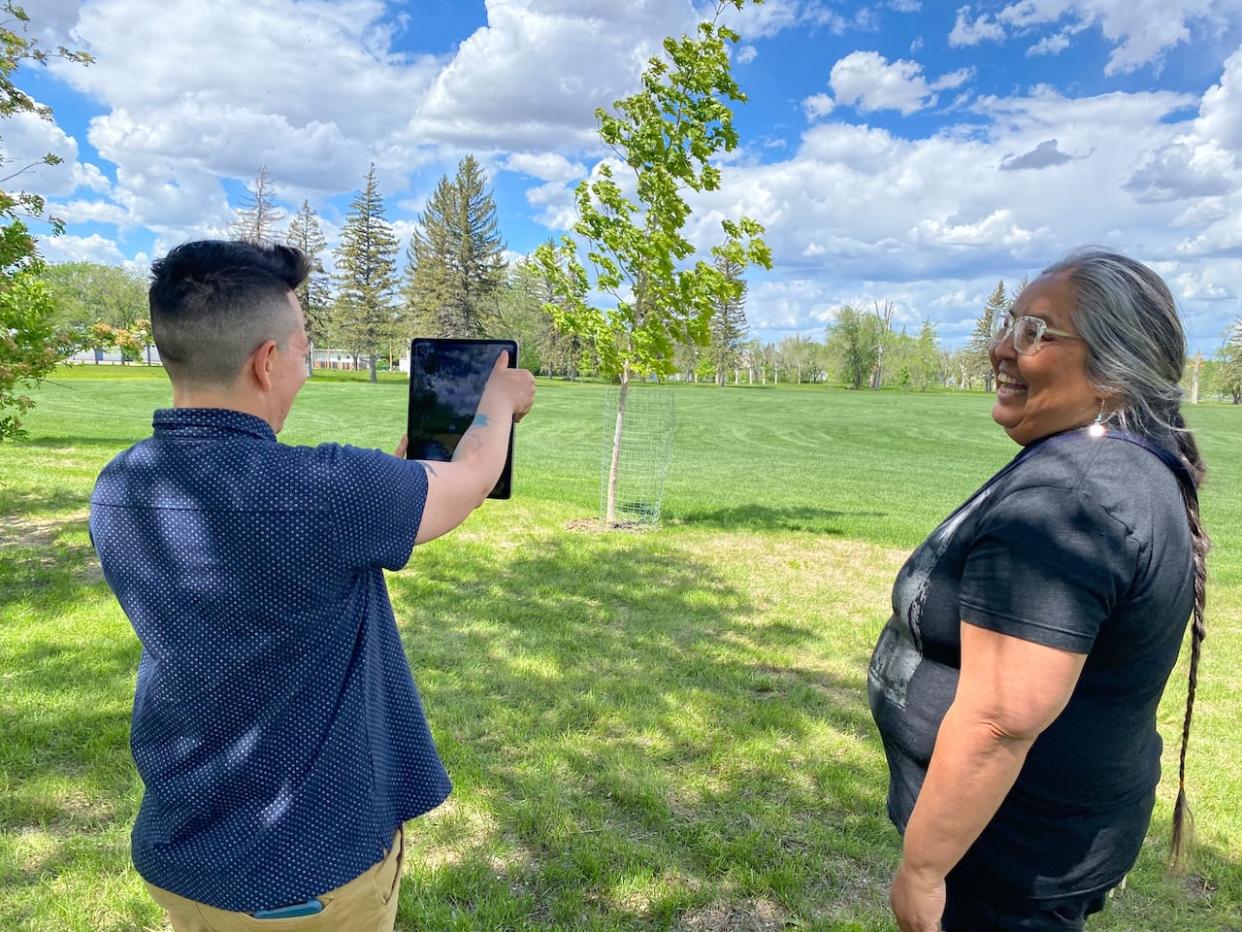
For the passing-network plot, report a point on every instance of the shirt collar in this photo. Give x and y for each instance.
(210, 422)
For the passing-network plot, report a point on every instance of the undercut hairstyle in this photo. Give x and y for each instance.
(1136, 353)
(214, 302)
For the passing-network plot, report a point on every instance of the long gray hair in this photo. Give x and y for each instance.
(1136, 353)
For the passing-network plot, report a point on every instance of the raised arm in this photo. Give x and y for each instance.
(457, 488)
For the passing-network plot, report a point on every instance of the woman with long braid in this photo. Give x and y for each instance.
(1016, 685)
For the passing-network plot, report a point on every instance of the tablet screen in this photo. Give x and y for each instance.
(446, 382)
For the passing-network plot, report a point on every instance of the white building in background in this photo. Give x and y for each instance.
(320, 358)
(112, 357)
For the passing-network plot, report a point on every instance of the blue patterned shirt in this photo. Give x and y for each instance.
(276, 726)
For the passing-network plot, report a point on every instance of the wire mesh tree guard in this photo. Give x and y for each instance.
(646, 451)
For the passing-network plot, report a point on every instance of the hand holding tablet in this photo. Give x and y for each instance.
(447, 381)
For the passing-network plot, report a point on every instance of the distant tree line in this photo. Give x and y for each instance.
(455, 282)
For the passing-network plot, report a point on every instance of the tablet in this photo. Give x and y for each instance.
(446, 382)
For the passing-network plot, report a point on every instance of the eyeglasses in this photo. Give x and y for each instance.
(1028, 332)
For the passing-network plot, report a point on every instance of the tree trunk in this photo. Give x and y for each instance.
(310, 360)
(1194, 379)
(371, 367)
(614, 468)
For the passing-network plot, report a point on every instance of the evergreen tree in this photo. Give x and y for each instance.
(314, 294)
(728, 323)
(1230, 370)
(455, 268)
(258, 217)
(978, 364)
(366, 275)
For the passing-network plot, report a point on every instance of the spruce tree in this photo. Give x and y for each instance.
(366, 274)
(455, 261)
(728, 323)
(314, 294)
(258, 217)
(977, 361)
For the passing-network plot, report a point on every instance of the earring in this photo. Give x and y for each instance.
(1097, 428)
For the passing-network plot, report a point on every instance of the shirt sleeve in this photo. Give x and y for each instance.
(1047, 565)
(377, 505)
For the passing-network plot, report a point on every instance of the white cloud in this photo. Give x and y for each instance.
(878, 215)
(546, 166)
(93, 248)
(817, 105)
(747, 54)
(1054, 44)
(490, 95)
(972, 32)
(194, 93)
(27, 139)
(1141, 31)
(868, 82)
(775, 16)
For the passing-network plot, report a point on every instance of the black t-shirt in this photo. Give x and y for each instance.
(1079, 543)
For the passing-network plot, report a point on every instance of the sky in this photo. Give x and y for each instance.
(895, 150)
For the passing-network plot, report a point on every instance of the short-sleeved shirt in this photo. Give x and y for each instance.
(276, 724)
(1083, 544)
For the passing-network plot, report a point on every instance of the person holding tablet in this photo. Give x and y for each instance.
(277, 728)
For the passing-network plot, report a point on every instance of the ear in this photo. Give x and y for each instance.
(262, 362)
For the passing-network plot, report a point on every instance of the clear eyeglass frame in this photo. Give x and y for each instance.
(1028, 332)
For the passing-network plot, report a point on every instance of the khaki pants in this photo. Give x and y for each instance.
(368, 903)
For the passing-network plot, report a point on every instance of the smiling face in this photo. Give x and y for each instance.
(1046, 392)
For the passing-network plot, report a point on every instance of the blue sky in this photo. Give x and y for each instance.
(895, 150)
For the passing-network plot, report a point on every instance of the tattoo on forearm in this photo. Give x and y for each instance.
(480, 420)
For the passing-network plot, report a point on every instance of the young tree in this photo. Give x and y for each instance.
(30, 346)
(366, 274)
(1229, 373)
(853, 340)
(883, 337)
(926, 361)
(258, 216)
(314, 294)
(751, 353)
(666, 134)
(976, 353)
(796, 355)
(728, 324)
(455, 267)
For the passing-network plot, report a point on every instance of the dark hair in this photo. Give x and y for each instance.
(213, 302)
(1136, 353)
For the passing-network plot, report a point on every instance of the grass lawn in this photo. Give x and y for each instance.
(646, 730)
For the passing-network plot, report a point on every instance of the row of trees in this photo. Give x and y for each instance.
(453, 277)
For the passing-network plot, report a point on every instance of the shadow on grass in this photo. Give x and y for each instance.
(765, 518)
(69, 441)
(70, 786)
(641, 755)
(28, 503)
(45, 563)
